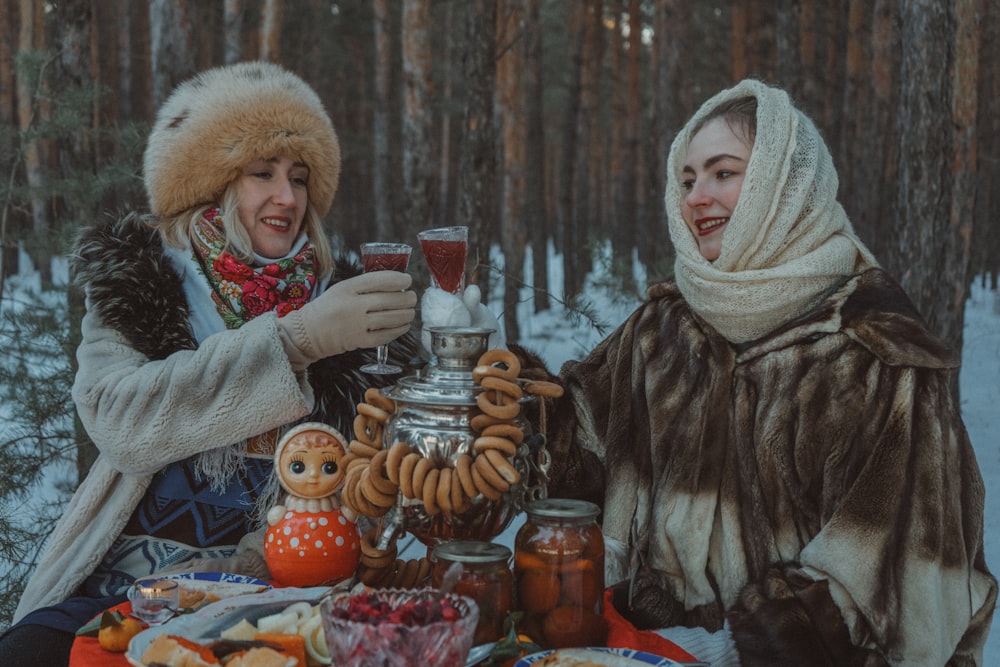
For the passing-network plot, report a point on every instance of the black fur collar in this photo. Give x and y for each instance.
(135, 289)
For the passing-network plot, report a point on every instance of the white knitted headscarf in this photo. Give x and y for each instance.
(788, 242)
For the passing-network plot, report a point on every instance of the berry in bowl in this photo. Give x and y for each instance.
(398, 628)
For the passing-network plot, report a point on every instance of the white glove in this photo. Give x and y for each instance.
(364, 311)
(439, 308)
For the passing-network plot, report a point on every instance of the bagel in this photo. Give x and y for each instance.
(504, 467)
(374, 495)
(459, 501)
(395, 458)
(481, 372)
(406, 574)
(362, 449)
(361, 503)
(429, 494)
(504, 411)
(406, 468)
(503, 386)
(376, 470)
(484, 487)
(373, 395)
(369, 545)
(483, 421)
(420, 472)
(442, 495)
(491, 475)
(502, 430)
(501, 356)
(463, 468)
(425, 569)
(484, 442)
(369, 410)
(544, 389)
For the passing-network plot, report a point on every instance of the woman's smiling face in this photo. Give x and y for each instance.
(713, 178)
(273, 196)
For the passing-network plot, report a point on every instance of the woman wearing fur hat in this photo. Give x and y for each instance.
(212, 326)
(773, 431)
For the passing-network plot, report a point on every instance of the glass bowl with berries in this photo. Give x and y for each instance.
(398, 628)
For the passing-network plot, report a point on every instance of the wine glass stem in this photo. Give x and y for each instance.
(382, 353)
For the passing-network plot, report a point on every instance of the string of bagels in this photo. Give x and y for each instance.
(376, 475)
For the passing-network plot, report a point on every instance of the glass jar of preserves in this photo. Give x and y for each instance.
(559, 574)
(486, 578)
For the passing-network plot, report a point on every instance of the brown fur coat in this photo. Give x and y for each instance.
(816, 487)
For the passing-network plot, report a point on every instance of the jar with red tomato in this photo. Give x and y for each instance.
(486, 578)
(559, 573)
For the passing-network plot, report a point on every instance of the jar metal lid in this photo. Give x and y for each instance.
(562, 508)
(471, 551)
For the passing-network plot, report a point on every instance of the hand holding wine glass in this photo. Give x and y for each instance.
(384, 257)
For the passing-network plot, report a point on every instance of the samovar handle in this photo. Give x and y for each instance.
(392, 528)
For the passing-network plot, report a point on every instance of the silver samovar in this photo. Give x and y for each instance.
(433, 411)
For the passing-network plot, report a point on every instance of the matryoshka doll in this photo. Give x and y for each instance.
(310, 541)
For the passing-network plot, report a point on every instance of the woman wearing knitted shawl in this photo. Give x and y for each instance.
(773, 430)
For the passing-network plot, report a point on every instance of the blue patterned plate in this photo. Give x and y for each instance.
(612, 657)
(220, 584)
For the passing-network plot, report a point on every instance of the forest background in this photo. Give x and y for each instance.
(534, 122)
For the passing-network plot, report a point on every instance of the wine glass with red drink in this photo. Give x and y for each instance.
(384, 257)
(445, 250)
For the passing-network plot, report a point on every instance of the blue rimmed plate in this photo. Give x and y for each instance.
(220, 584)
(612, 657)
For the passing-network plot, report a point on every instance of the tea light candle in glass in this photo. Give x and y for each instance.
(154, 601)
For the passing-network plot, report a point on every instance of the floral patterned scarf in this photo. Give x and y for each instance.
(240, 291)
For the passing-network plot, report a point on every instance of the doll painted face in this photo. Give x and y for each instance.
(309, 464)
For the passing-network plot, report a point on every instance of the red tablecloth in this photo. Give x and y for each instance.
(622, 634)
(87, 651)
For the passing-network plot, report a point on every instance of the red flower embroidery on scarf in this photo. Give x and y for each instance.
(232, 269)
(258, 296)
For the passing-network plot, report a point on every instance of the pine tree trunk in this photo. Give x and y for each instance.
(535, 218)
(618, 159)
(32, 37)
(382, 180)
(477, 161)
(417, 117)
(510, 108)
(446, 157)
(568, 224)
(232, 29)
(931, 254)
(8, 118)
(171, 46)
(631, 204)
(141, 67)
(270, 30)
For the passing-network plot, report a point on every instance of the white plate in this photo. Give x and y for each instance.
(614, 657)
(221, 584)
(208, 622)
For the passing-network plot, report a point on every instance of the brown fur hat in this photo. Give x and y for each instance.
(224, 118)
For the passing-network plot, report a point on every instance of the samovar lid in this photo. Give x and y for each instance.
(447, 379)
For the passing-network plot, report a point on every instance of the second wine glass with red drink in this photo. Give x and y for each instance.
(445, 250)
(384, 257)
